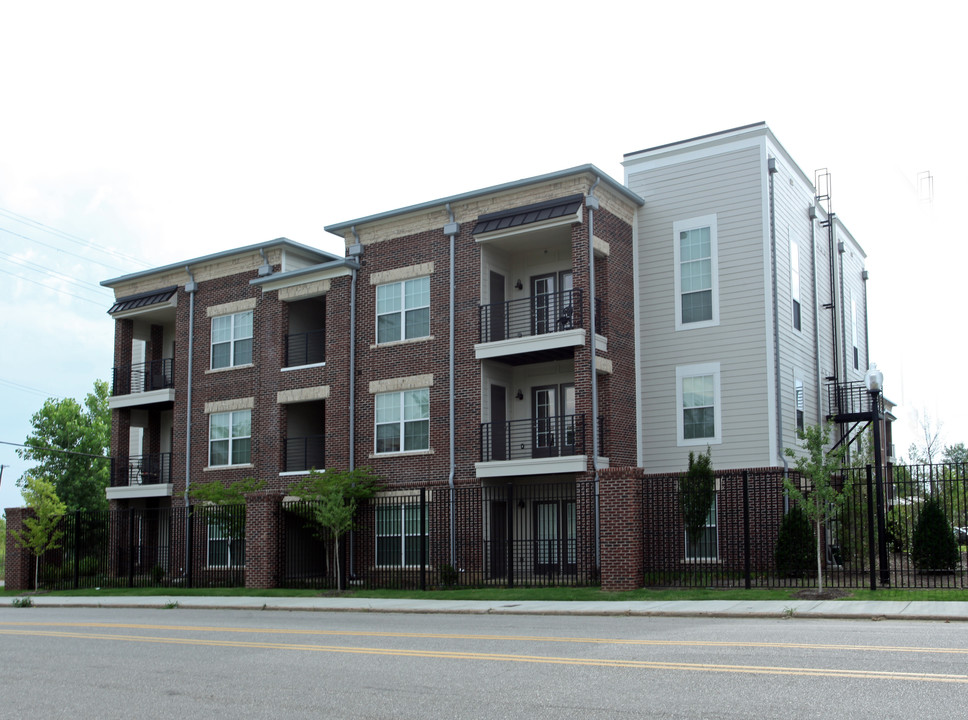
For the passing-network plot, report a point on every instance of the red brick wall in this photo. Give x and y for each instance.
(19, 570)
(263, 539)
(621, 547)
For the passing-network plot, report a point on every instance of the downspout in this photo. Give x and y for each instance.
(843, 308)
(833, 295)
(356, 252)
(591, 202)
(812, 213)
(771, 169)
(451, 229)
(867, 342)
(191, 288)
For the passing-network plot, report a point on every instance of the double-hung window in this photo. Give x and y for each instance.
(795, 281)
(706, 546)
(224, 550)
(403, 421)
(403, 310)
(698, 414)
(399, 536)
(696, 272)
(230, 438)
(232, 340)
(798, 394)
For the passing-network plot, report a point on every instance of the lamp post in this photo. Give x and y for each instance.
(874, 380)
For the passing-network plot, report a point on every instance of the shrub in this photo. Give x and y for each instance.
(448, 575)
(795, 545)
(933, 545)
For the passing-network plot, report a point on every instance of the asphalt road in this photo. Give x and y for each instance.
(128, 663)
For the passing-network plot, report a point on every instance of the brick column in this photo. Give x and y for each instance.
(263, 539)
(622, 544)
(19, 573)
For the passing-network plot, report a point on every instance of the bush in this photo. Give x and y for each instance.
(448, 576)
(933, 545)
(795, 545)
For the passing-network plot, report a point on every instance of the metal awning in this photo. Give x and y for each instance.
(547, 210)
(152, 297)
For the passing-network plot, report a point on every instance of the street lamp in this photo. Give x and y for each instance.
(874, 380)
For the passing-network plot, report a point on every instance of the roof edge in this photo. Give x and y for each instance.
(741, 128)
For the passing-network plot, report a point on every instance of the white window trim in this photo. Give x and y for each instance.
(687, 371)
(216, 537)
(231, 342)
(402, 312)
(680, 226)
(799, 404)
(404, 534)
(230, 439)
(795, 283)
(401, 424)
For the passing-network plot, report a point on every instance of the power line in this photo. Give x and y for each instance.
(70, 237)
(55, 450)
(83, 284)
(62, 250)
(48, 287)
(28, 388)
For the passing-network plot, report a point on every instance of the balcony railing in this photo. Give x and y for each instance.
(850, 399)
(150, 469)
(307, 348)
(144, 377)
(533, 438)
(526, 317)
(304, 453)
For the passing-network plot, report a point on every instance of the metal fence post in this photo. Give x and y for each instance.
(77, 549)
(423, 539)
(870, 526)
(130, 547)
(510, 534)
(746, 528)
(189, 539)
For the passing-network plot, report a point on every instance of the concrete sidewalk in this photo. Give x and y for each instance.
(875, 610)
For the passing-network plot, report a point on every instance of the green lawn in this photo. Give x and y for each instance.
(516, 594)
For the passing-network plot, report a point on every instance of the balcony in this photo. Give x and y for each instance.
(538, 328)
(150, 469)
(144, 383)
(304, 453)
(851, 402)
(306, 348)
(532, 446)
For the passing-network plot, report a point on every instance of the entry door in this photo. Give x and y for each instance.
(543, 311)
(499, 426)
(498, 549)
(544, 421)
(497, 308)
(554, 536)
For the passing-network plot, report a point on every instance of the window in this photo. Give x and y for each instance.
(403, 310)
(232, 340)
(795, 281)
(696, 281)
(707, 547)
(698, 415)
(853, 331)
(230, 438)
(398, 534)
(223, 549)
(798, 392)
(403, 421)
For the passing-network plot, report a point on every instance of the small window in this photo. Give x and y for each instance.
(403, 310)
(853, 332)
(795, 281)
(232, 340)
(698, 417)
(707, 547)
(403, 421)
(399, 537)
(223, 549)
(230, 438)
(798, 391)
(696, 272)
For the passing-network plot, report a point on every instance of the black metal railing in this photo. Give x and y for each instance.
(144, 377)
(306, 348)
(304, 453)
(554, 436)
(536, 315)
(850, 399)
(149, 469)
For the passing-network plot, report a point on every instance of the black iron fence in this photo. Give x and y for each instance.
(553, 436)
(144, 377)
(148, 469)
(306, 348)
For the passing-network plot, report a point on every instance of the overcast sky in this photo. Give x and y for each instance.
(133, 137)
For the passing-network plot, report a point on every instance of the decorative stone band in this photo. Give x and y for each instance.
(404, 273)
(220, 406)
(320, 392)
(402, 383)
(229, 308)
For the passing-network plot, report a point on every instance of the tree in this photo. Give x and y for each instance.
(794, 545)
(933, 545)
(955, 454)
(224, 506)
(40, 530)
(927, 450)
(821, 503)
(697, 491)
(336, 495)
(70, 445)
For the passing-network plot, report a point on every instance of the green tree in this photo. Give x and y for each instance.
(821, 503)
(70, 444)
(933, 545)
(224, 505)
(40, 532)
(956, 453)
(697, 491)
(794, 545)
(3, 544)
(336, 496)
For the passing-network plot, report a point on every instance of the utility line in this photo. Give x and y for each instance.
(18, 386)
(62, 250)
(55, 450)
(48, 287)
(82, 284)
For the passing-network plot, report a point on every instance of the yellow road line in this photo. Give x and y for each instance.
(502, 657)
(512, 638)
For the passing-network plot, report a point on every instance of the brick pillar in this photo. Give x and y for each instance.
(19, 574)
(263, 539)
(622, 544)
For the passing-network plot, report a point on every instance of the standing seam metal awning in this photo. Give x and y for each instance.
(152, 297)
(547, 210)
